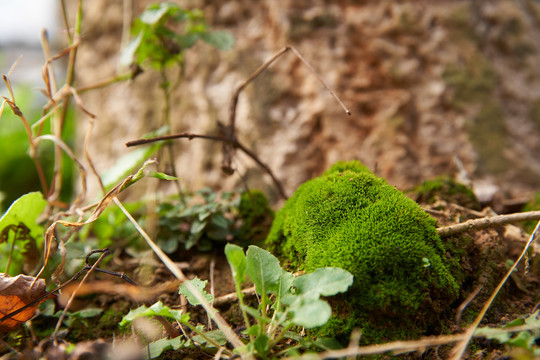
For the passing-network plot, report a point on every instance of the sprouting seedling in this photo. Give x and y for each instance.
(229, 139)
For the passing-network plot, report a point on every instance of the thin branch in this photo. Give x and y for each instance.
(104, 253)
(232, 141)
(487, 222)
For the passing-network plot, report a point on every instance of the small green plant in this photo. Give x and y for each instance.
(294, 301)
(448, 189)
(207, 218)
(285, 302)
(159, 44)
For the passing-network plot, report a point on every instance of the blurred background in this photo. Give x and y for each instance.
(446, 87)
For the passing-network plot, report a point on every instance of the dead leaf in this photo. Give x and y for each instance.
(16, 293)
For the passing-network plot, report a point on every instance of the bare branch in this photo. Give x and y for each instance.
(487, 222)
(227, 140)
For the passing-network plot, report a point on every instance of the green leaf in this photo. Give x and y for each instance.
(254, 313)
(264, 270)
(127, 164)
(323, 282)
(156, 13)
(216, 336)
(197, 226)
(185, 41)
(127, 56)
(220, 221)
(26, 210)
(199, 285)
(523, 340)
(159, 346)
(310, 313)
(222, 40)
(252, 330)
(162, 176)
(237, 261)
(261, 344)
(158, 309)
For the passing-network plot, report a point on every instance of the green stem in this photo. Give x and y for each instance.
(167, 120)
(244, 313)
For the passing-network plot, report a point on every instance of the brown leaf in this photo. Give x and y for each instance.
(16, 293)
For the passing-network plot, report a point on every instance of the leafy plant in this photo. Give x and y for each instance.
(286, 301)
(294, 301)
(198, 221)
(157, 44)
(206, 218)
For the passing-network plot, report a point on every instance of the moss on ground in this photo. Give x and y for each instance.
(352, 219)
(447, 189)
(256, 216)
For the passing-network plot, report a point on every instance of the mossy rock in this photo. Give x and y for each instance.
(447, 189)
(352, 219)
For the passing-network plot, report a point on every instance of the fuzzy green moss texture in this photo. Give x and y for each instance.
(352, 219)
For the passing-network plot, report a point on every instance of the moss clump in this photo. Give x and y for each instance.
(352, 219)
(448, 189)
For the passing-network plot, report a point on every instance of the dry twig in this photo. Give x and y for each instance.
(487, 222)
(229, 140)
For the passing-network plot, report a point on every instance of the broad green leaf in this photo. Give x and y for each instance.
(222, 40)
(237, 261)
(199, 285)
(158, 309)
(26, 210)
(264, 270)
(323, 282)
(261, 344)
(310, 313)
(252, 330)
(159, 346)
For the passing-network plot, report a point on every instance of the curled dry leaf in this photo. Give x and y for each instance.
(16, 293)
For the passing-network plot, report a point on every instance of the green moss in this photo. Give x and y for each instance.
(448, 189)
(352, 219)
(256, 216)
